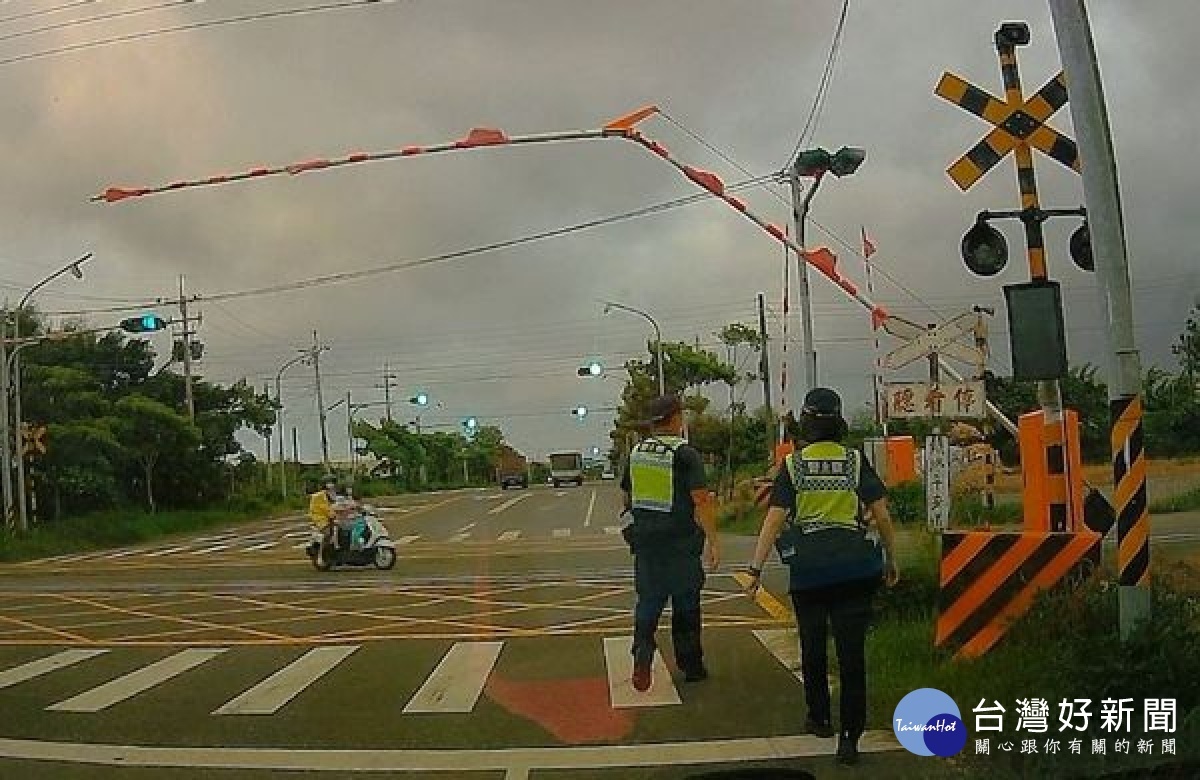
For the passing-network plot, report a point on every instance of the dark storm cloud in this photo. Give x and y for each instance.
(491, 335)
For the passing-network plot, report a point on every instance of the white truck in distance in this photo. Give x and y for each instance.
(566, 467)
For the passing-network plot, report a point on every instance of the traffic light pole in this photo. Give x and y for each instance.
(6, 439)
(1103, 196)
(800, 208)
(316, 359)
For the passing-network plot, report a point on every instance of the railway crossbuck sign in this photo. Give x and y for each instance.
(1016, 122)
(943, 340)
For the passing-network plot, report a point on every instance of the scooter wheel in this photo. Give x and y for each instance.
(323, 560)
(385, 558)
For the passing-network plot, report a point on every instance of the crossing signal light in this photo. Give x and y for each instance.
(1081, 248)
(470, 425)
(984, 250)
(420, 399)
(580, 411)
(147, 323)
(590, 370)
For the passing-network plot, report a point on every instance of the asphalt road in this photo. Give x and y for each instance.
(497, 647)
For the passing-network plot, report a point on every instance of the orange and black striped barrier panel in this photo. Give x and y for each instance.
(988, 580)
(1129, 476)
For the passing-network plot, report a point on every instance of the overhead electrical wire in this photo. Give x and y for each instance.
(104, 17)
(818, 104)
(46, 11)
(188, 26)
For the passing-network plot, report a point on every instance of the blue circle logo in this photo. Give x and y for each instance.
(928, 723)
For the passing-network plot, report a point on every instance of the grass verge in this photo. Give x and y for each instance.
(114, 528)
(1187, 501)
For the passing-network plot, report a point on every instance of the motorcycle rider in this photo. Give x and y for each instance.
(323, 509)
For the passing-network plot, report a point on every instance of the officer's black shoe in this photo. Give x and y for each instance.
(847, 750)
(818, 728)
(695, 674)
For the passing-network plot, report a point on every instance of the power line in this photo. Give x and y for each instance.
(818, 104)
(230, 20)
(105, 17)
(46, 11)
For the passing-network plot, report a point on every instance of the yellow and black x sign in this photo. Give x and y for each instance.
(1017, 122)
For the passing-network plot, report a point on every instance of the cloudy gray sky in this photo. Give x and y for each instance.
(498, 335)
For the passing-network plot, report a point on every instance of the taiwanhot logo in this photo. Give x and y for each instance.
(928, 722)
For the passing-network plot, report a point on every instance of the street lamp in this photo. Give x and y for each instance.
(610, 305)
(814, 164)
(75, 268)
(302, 358)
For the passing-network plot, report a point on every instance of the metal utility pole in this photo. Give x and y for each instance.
(800, 215)
(764, 370)
(295, 447)
(6, 439)
(316, 361)
(387, 386)
(1105, 224)
(267, 395)
(189, 399)
(350, 433)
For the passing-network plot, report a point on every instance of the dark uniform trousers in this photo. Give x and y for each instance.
(849, 613)
(673, 573)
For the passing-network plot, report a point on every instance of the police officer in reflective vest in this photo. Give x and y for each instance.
(818, 523)
(674, 526)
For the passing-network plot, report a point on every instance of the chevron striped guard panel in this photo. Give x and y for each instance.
(988, 579)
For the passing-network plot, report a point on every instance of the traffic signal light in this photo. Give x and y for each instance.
(580, 411)
(470, 426)
(591, 369)
(1081, 248)
(984, 250)
(420, 399)
(147, 323)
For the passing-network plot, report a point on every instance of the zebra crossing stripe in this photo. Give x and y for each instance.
(619, 663)
(212, 549)
(612, 530)
(509, 536)
(784, 645)
(137, 681)
(460, 537)
(271, 694)
(166, 551)
(261, 546)
(407, 539)
(41, 666)
(561, 533)
(457, 682)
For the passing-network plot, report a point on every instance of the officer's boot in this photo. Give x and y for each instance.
(643, 653)
(689, 653)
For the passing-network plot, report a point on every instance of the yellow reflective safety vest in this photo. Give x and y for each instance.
(652, 473)
(825, 476)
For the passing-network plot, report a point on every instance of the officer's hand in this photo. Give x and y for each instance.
(712, 555)
(891, 574)
(754, 584)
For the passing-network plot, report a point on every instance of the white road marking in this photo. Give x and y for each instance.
(784, 645)
(591, 505)
(166, 551)
(121, 554)
(296, 534)
(466, 528)
(261, 546)
(561, 533)
(612, 530)
(213, 549)
(137, 681)
(459, 538)
(407, 539)
(509, 536)
(28, 671)
(458, 680)
(653, 755)
(300, 546)
(507, 504)
(559, 493)
(271, 694)
(619, 663)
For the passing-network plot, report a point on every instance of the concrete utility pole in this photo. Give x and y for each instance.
(800, 215)
(6, 437)
(316, 361)
(189, 399)
(1105, 225)
(764, 370)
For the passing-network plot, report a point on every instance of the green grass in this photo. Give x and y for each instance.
(113, 528)
(1187, 501)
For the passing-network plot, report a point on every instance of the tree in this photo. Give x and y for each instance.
(1187, 349)
(147, 430)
